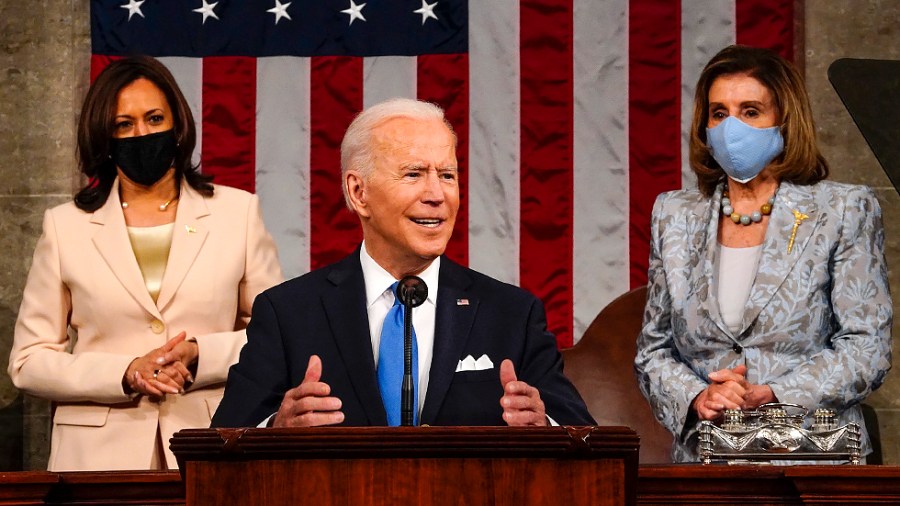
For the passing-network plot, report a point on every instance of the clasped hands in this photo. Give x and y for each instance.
(164, 370)
(729, 389)
(311, 404)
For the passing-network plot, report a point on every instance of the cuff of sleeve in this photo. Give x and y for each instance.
(268, 422)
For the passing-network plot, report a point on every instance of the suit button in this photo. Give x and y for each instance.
(737, 348)
(157, 326)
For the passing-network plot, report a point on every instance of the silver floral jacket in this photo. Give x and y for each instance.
(817, 326)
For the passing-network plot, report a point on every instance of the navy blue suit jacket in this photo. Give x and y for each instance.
(324, 313)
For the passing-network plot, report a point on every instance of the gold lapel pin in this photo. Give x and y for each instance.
(798, 218)
(190, 229)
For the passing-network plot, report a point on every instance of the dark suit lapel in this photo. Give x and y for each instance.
(346, 309)
(454, 316)
(775, 262)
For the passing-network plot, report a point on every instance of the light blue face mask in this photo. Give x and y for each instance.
(743, 151)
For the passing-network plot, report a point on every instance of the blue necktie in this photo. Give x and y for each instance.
(390, 363)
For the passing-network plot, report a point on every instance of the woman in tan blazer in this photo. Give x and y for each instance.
(141, 288)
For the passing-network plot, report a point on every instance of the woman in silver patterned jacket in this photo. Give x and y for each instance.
(766, 282)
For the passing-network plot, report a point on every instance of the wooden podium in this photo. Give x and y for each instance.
(417, 465)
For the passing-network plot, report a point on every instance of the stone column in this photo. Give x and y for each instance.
(44, 70)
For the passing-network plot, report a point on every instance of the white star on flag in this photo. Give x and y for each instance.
(355, 11)
(207, 11)
(134, 7)
(280, 11)
(427, 11)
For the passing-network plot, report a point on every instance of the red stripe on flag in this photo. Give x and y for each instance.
(654, 119)
(336, 97)
(99, 62)
(547, 160)
(444, 80)
(766, 23)
(228, 150)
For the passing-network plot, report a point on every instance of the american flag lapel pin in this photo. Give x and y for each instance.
(462, 302)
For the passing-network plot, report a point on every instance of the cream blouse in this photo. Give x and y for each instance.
(151, 249)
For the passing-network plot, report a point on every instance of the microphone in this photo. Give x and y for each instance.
(412, 292)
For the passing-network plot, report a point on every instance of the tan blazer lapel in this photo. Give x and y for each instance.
(111, 240)
(187, 240)
(775, 262)
(706, 284)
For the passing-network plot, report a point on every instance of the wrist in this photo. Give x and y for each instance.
(126, 378)
(193, 351)
(770, 395)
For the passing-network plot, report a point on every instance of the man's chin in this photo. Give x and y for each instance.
(429, 254)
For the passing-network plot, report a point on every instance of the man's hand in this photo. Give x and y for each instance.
(521, 402)
(309, 404)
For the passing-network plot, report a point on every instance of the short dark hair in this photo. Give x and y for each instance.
(96, 126)
(801, 162)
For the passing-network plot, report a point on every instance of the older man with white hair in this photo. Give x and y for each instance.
(321, 348)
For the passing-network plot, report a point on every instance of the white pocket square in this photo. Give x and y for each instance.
(470, 364)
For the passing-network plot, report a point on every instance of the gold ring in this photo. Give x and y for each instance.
(155, 373)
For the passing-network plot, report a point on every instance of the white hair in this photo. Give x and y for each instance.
(356, 148)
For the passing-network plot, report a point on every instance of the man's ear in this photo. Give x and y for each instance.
(356, 190)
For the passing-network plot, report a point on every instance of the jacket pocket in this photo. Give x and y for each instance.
(78, 414)
(477, 376)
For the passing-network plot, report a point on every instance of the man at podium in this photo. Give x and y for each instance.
(323, 348)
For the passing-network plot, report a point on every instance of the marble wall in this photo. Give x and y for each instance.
(44, 67)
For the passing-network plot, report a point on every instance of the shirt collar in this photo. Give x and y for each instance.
(377, 280)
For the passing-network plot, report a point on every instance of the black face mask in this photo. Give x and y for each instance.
(144, 159)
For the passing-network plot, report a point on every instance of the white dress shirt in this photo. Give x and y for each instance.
(379, 299)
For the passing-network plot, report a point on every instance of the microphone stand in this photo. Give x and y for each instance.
(412, 292)
(407, 390)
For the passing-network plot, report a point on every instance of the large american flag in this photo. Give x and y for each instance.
(571, 116)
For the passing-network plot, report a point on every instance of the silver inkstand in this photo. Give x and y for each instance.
(775, 432)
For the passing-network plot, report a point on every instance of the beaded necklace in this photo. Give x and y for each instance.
(743, 219)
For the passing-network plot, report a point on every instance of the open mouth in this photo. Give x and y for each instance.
(428, 222)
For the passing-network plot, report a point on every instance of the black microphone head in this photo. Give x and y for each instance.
(412, 291)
